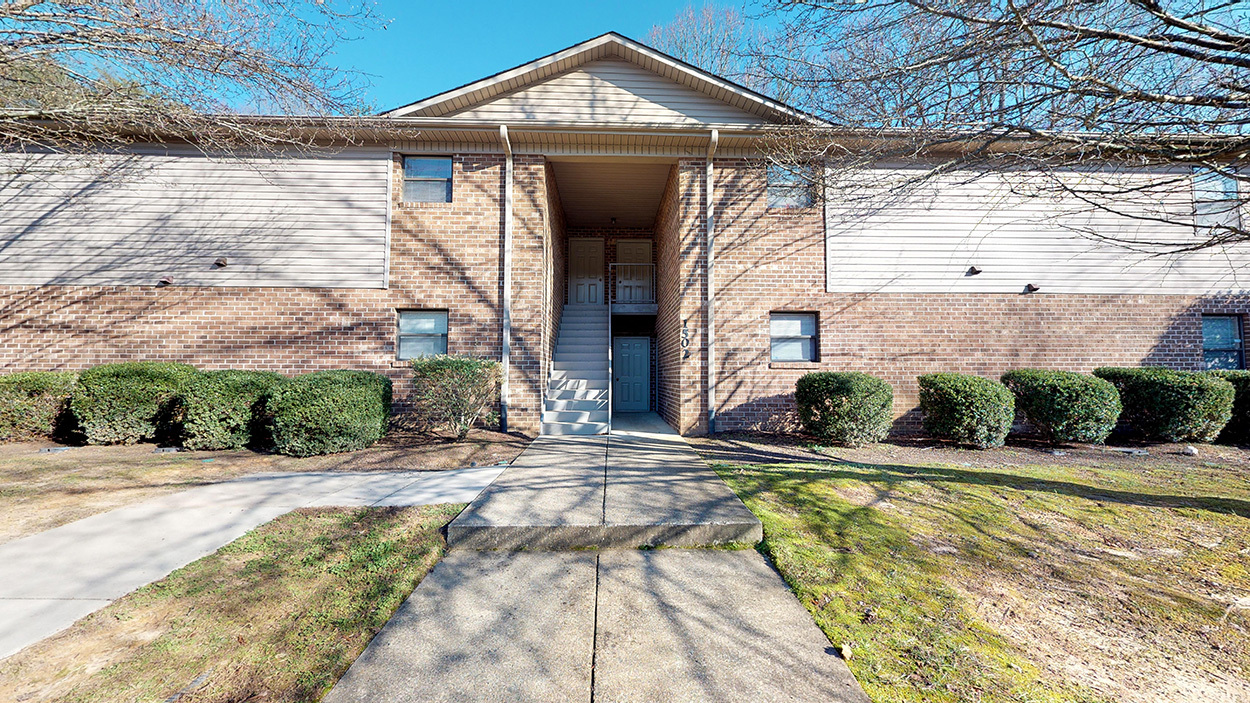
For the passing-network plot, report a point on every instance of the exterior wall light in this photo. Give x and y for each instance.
(166, 281)
(220, 262)
(972, 271)
(1030, 288)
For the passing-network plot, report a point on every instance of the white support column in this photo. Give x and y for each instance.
(505, 360)
(710, 223)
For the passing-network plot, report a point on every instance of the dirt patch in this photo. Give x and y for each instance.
(39, 491)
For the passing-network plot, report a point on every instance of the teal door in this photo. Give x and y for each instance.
(631, 374)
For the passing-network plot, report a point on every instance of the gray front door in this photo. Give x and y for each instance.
(631, 374)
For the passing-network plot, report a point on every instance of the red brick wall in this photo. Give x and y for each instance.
(556, 265)
(771, 260)
(668, 351)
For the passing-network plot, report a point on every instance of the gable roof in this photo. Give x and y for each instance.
(608, 79)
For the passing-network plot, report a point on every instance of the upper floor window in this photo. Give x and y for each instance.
(427, 179)
(421, 333)
(792, 336)
(1217, 200)
(788, 188)
(1222, 346)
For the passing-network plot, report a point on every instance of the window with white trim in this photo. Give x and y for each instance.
(1222, 344)
(788, 188)
(421, 333)
(792, 336)
(1217, 200)
(427, 179)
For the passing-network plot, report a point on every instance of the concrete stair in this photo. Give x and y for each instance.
(576, 401)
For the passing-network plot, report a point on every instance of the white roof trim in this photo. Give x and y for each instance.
(610, 44)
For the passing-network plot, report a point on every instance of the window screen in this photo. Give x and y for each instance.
(427, 179)
(793, 336)
(421, 333)
(1222, 347)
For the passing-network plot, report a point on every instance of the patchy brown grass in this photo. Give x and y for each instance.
(41, 491)
(277, 615)
(1014, 574)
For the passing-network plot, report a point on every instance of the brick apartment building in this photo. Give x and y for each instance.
(505, 218)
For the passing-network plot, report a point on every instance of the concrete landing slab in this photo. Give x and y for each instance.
(500, 626)
(709, 625)
(641, 486)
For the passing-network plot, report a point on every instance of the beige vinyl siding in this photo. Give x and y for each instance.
(609, 91)
(312, 220)
(1018, 230)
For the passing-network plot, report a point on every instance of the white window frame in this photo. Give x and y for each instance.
(400, 335)
(1217, 200)
(449, 180)
(814, 337)
(1237, 347)
(781, 186)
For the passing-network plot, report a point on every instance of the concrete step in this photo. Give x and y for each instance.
(581, 346)
(577, 404)
(600, 374)
(568, 384)
(595, 394)
(574, 428)
(590, 365)
(586, 332)
(596, 357)
(575, 416)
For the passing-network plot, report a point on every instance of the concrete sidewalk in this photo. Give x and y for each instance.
(663, 625)
(51, 579)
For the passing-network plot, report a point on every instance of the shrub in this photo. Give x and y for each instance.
(225, 409)
(1237, 431)
(454, 391)
(848, 407)
(329, 411)
(34, 404)
(1171, 406)
(129, 402)
(967, 409)
(1065, 406)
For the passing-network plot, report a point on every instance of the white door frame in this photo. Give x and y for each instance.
(644, 404)
(594, 291)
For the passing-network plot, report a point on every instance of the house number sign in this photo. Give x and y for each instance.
(685, 339)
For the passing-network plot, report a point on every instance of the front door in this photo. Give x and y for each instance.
(633, 271)
(631, 374)
(586, 271)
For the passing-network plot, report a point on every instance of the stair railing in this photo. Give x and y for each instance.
(610, 370)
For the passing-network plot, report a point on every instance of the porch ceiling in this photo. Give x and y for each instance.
(593, 192)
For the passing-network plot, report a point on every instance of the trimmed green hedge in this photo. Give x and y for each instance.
(454, 391)
(1237, 431)
(847, 407)
(225, 409)
(1171, 406)
(1065, 406)
(327, 412)
(967, 409)
(129, 402)
(35, 404)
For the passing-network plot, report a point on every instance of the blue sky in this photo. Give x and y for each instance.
(431, 47)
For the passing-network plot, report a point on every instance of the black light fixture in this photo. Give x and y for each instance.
(612, 220)
(972, 271)
(220, 262)
(166, 281)
(1030, 288)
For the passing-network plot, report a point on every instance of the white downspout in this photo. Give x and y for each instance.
(710, 222)
(505, 360)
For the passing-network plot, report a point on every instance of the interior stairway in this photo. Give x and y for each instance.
(577, 390)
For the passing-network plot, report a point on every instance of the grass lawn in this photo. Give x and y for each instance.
(39, 491)
(277, 615)
(1013, 574)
